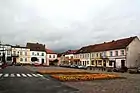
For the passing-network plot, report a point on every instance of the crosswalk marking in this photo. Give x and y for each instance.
(6, 75)
(24, 75)
(12, 75)
(40, 75)
(18, 75)
(35, 75)
(1, 75)
(29, 75)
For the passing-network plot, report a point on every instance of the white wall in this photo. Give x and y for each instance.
(40, 57)
(7, 53)
(133, 53)
(50, 57)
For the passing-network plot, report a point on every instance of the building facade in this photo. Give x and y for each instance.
(37, 53)
(67, 58)
(5, 53)
(51, 57)
(21, 55)
(119, 53)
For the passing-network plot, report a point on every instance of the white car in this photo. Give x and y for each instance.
(80, 66)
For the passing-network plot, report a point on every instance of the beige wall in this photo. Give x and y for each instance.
(23, 56)
(133, 53)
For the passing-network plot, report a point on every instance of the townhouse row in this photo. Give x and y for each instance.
(32, 53)
(117, 53)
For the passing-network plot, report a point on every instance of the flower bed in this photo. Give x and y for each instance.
(84, 77)
(61, 72)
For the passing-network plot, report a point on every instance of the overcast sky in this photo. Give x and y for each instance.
(68, 24)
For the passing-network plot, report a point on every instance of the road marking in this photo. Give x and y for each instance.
(1, 75)
(23, 75)
(6, 75)
(35, 75)
(12, 75)
(40, 75)
(18, 75)
(29, 75)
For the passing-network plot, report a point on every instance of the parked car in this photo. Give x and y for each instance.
(134, 70)
(73, 66)
(82, 67)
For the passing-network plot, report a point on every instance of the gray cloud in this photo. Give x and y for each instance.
(68, 24)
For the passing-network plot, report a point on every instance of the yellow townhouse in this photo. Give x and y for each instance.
(21, 55)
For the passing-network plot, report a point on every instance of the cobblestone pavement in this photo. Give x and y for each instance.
(129, 85)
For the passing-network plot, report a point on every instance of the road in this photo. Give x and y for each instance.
(18, 79)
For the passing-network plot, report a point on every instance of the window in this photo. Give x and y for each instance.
(42, 54)
(104, 54)
(116, 53)
(32, 53)
(92, 62)
(100, 54)
(25, 53)
(8, 52)
(20, 52)
(99, 62)
(14, 52)
(92, 55)
(84, 56)
(87, 62)
(122, 52)
(127, 49)
(97, 55)
(71, 57)
(111, 53)
(25, 59)
(9, 58)
(110, 63)
(38, 54)
(53, 56)
(88, 55)
(49, 56)
(21, 59)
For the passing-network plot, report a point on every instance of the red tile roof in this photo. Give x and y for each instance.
(118, 44)
(48, 51)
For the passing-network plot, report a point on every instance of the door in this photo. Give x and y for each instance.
(104, 63)
(114, 64)
(122, 63)
(42, 61)
(14, 60)
(96, 63)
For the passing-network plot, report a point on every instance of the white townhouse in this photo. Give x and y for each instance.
(37, 53)
(117, 53)
(51, 57)
(5, 50)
